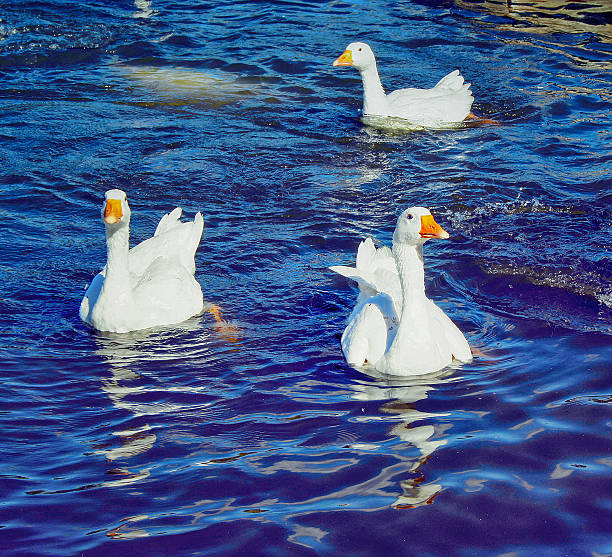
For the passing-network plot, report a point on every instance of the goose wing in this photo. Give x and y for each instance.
(169, 220)
(375, 272)
(449, 101)
(365, 338)
(173, 240)
(377, 311)
(448, 335)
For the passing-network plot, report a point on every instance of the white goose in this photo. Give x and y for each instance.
(449, 102)
(149, 285)
(394, 326)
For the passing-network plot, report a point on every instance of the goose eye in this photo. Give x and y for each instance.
(409, 217)
(360, 49)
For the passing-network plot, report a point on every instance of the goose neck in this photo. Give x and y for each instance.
(373, 92)
(117, 249)
(409, 262)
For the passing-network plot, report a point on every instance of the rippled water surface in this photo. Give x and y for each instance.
(257, 438)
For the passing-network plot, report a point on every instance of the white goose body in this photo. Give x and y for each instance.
(394, 326)
(448, 102)
(151, 284)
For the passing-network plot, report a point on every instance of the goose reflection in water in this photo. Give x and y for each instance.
(127, 353)
(401, 395)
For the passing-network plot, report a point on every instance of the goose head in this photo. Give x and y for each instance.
(115, 211)
(415, 226)
(358, 55)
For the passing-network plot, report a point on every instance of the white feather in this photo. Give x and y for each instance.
(448, 102)
(151, 284)
(394, 326)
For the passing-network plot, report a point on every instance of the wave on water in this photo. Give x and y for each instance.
(527, 244)
(547, 16)
(576, 280)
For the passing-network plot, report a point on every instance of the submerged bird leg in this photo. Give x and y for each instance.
(227, 331)
(478, 119)
(478, 352)
(215, 310)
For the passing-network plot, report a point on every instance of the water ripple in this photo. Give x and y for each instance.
(209, 439)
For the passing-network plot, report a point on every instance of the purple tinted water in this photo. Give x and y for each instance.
(181, 441)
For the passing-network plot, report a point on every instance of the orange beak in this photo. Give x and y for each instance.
(345, 59)
(431, 229)
(112, 211)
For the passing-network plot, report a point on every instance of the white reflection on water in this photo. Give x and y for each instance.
(123, 353)
(400, 126)
(547, 16)
(401, 394)
(401, 484)
(143, 9)
(184, 84)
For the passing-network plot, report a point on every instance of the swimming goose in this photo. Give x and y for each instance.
(149, 285)
(449, 102)
(395, 327)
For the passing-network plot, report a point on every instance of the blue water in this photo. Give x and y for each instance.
(257, 438)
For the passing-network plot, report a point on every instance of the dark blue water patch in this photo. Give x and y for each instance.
(136, 49)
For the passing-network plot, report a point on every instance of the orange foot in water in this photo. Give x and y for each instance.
(478, 352)
(227, 331)
(216, 312)
(478, 120)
